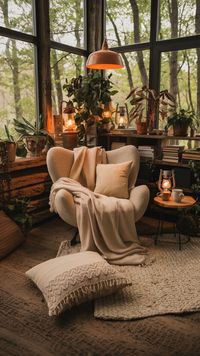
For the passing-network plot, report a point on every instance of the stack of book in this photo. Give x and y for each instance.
(146, 153)
(172, 153)
(191, 154)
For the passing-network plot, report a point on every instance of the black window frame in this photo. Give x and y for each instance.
(157, 47)
(43, 44)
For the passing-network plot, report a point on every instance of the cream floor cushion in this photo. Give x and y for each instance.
(73, 279)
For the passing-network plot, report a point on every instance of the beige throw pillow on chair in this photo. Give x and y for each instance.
(112, 179)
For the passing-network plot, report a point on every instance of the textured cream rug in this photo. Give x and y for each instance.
(171, 284)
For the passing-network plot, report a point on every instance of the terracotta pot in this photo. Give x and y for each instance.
(70, 139)
(141, 128)
(35, 145)
(11, 149)
(180, 130)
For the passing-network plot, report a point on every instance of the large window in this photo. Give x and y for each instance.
(17, 81)
(67, 35)
(159, 41)
(26, 78)
(17, 64)
(67, 22)
(132, 75)
(127, 23)
(178, 18)
(179, 74)
(17, 15)
(64, 66)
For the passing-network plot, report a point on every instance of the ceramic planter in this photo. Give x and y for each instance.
(11, 150)
(141, 128)
(180, 130)
(70, 139)
(35, 145)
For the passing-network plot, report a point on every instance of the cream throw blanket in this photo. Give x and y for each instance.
(106, 224)
(84, 166)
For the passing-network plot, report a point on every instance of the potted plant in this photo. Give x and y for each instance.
(195, 168)
(89, 94)
(16, 222)
(189, 222)
(181, 121)
(146, 104)
(10, 146)
(18, 210)
(105, 124)
(36, 136)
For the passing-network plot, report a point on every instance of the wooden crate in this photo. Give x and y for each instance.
(29, 177)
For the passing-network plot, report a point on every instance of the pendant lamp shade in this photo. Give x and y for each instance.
(104, 59)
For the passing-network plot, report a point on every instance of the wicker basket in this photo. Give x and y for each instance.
(10, 235)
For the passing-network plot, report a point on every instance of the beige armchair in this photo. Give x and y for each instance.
(59, 163)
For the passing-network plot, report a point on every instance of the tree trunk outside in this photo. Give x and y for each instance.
(126, 62)
(191, 106)
(173, 61)
(57, 79)
(77, 11)
(15, 73)
(140, 58)
(197, 30)
(11, 54)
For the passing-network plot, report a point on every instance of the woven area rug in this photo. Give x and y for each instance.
(170, 284)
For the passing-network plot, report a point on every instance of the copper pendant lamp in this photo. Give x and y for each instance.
(104, 59)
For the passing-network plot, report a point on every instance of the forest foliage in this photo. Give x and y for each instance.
(180, 71)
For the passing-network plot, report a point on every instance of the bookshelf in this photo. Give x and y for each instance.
(117, 138)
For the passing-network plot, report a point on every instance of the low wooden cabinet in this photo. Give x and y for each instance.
(29, 177)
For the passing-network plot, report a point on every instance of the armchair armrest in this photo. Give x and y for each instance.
(139, 196)
(59, 162)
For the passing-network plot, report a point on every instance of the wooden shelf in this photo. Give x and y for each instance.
(174, 164)
(132, 133)
(25, 163)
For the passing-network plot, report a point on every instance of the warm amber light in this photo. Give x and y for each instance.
(166, 184)
(69, 122)
(104, 59)
(103, 66)
(121, 117)
(107, 114)
(49, 124)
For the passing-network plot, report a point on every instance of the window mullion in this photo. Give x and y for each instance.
(154, 67)
(43, 61)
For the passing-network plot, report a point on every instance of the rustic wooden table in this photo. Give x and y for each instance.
(186, 202)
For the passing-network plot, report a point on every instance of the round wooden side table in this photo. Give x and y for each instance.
(186, 202)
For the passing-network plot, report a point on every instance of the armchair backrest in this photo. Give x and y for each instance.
(124, 154)
(60, 160)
